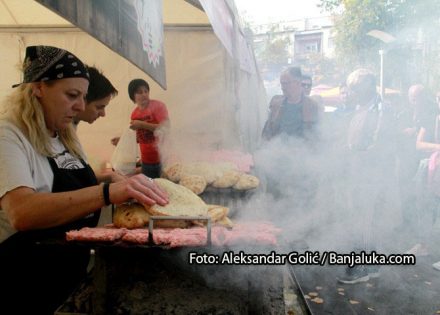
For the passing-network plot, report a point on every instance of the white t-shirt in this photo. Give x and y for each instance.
(22, 166)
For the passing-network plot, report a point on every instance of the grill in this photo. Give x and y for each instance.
(154, 279)
(228, 197)
(157, 280)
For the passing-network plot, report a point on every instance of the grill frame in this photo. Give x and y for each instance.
(256, 294)
(228, 197)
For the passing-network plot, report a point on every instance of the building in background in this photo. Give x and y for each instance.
(306, 42)
(306, 36)
(314, 37)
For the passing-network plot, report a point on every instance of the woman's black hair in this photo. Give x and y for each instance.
(99, 86)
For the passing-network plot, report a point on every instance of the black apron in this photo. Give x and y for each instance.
(36, 273)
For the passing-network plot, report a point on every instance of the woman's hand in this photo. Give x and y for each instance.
(117, 177)
(139, 187)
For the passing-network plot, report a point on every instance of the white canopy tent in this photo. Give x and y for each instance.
(212, 103)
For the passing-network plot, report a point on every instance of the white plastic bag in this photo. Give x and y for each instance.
(125, 156)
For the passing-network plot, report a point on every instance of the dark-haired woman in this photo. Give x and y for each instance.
(47, 186)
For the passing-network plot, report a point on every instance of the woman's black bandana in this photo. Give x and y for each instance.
(45, 63)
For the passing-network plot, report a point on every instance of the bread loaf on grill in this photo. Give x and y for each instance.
(182, 201)
(227, 179)
(174, 172)
(217, 212)
(246, 182)
(130, 216)
(195, 183)
(135, 216)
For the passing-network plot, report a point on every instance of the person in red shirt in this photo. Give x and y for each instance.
(148, 116)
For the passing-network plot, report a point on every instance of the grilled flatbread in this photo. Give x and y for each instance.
(227, 179)
(135, 216)
(182, 201)
(217, 212)
(226, 222)
(246, 182)
(174, 172)
(204, 169)
(195, 183)
(130, 216)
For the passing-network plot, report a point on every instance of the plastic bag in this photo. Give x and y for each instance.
(125, 156)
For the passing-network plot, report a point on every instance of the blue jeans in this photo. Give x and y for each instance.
(151, 170)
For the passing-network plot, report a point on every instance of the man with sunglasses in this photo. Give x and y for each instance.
(294, 113)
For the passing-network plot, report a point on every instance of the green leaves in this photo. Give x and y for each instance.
(415, 24)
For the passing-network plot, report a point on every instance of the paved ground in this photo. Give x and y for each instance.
(398, 289)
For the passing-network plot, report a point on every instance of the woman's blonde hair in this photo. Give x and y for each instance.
(25, 111)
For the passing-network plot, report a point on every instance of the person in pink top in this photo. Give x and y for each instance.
(148, 116)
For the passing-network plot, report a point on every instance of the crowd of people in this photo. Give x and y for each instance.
(379, 146)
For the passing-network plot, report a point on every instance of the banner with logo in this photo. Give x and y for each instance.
(131, 28)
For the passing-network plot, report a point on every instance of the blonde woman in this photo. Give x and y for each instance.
(47, 187)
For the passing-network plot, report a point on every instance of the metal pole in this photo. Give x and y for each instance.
(382, 88)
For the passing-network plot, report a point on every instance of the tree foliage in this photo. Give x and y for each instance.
(276, 51)
(415, 25)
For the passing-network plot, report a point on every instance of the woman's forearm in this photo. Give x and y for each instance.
(109, 176)
(29, 210)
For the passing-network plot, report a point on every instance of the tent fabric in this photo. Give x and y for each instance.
(31, 13)
(211, 102)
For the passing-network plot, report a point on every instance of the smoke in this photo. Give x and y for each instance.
(188, 145)
(308, 192)
(314, 194)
